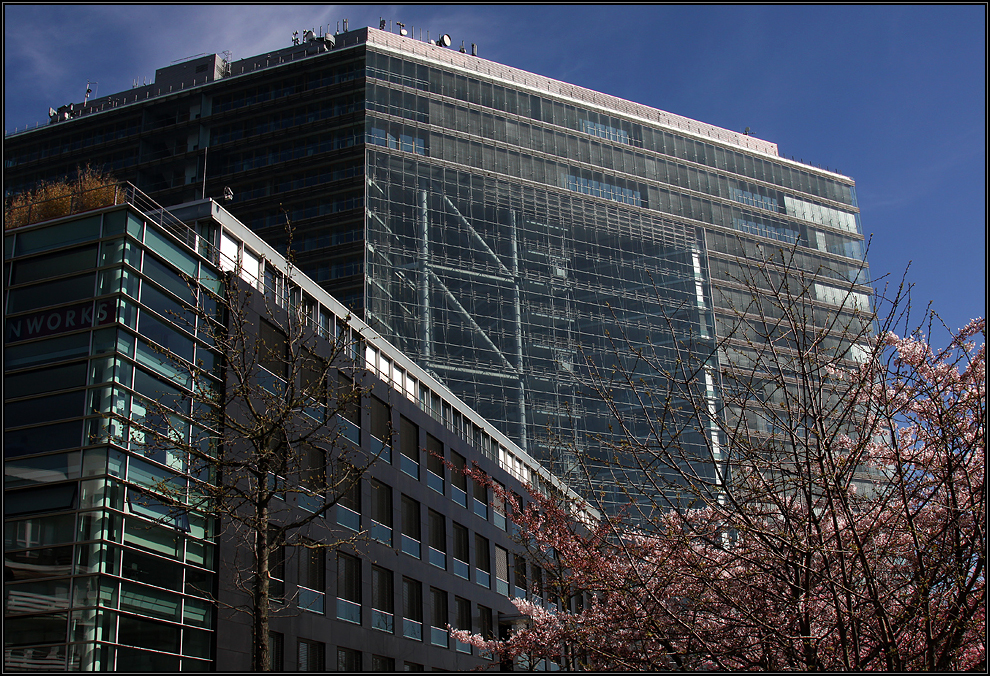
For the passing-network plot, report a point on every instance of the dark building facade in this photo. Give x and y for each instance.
(495, 225)
(102, 575)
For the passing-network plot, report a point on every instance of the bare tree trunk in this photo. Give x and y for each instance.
(260, 660)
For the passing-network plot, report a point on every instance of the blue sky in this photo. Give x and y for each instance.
(893, 96)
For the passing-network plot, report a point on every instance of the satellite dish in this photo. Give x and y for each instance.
(444, 41)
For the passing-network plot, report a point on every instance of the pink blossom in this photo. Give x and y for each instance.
(820, 576)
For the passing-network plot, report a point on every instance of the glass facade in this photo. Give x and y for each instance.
(517, 242)
(98, 573)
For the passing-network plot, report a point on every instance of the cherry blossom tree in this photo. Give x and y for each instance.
(850, 536)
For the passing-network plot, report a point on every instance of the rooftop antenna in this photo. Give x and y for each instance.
(381, 24)
(89, 90)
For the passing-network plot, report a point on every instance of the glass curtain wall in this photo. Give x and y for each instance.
(513, 240)
(99, 573)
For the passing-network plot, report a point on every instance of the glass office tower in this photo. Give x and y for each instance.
(521, 231)
(500, 227)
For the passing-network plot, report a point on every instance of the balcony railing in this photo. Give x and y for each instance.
(439, 637)
(438, 558)
(348, 611)
(312, 600)
(382, 533)
(412, 629)
(434, 481)
(382, 621)
(411, 546)
(348, 518)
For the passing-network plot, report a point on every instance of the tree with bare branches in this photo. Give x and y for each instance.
(261, 438)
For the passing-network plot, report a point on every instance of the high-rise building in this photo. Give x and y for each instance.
(499, 227)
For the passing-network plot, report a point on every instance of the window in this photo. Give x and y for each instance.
(462, 548)
(498, 504)
(462, 621)
(409, 447)
(382, 600)
(483, 566)
(276, 651)
(434, 464)
(312, 655)
(381, 429)
(349, 504)
(537, 582)
(458, 480)
(63, 497)
(485, 625)
(349, 660)
(278, 454)
(501, 571)
(312, 375)
(381, 512)
(276, 565)
(438, 540)
(513, 526)
(348, 588)
(520, 569)
(273, 349)
(312, 577)
(412, 609)
(411, 533)
(481, 500)
(349, 410)
(313, 477)
(314, 469)
(438, 628)
(381, 663)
